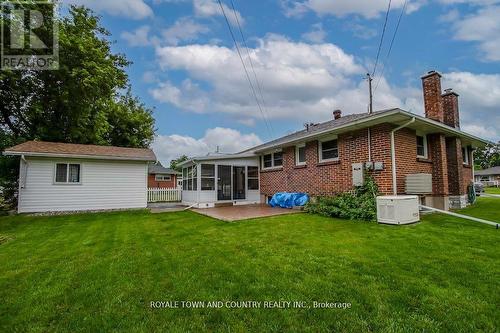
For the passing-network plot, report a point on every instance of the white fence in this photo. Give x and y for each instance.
(164, 194)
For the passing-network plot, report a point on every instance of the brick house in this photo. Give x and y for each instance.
(161, 177)
(392, 145)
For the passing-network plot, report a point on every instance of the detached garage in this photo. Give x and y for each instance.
(73, 177)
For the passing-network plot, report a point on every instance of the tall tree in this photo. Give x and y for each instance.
(174, 163)
(87, 100)
(488, 157)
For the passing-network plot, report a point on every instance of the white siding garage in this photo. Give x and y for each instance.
(67, 177)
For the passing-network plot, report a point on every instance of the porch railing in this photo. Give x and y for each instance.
(156, 194)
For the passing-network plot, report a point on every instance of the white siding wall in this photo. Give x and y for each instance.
(104, 185)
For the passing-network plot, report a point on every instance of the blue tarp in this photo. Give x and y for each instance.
(288, 200)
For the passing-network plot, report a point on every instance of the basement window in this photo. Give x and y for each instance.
(328, 150)
(422, 146)
(67, 173)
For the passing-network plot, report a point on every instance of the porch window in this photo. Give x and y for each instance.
(161, 178)
(328, 150)
(253, 178)
(67, 173)
(422, 146)
(207, 177)
(189, 181)
(300, 154)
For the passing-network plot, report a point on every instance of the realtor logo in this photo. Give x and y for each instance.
(29, 35)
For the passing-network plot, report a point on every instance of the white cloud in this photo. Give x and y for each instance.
(208, 8)
(138, 37)
(368, 9)
(168, 147)
(134, 9)
(184, 29)
(483, 27)
(316, 35)
(300, 81)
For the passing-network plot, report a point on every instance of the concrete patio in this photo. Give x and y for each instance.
(244, 212)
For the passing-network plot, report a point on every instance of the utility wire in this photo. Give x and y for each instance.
(245, 68)
(390, 47)
(381, 38)
(259, 87)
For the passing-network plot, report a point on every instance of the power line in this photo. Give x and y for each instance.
(259, 87)
(381, 38)
(245, 68)
(390, 46)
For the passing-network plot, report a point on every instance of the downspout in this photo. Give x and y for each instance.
(393, 154)
(472, 163)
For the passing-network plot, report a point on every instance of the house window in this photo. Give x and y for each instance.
(67, 173)
(207, 177)
(300, 154)
(465, 155)
(253, 178)
(268, 160)
(161, 178)
(273, 160)
(422, 146)
(189, 182)
(328, 150)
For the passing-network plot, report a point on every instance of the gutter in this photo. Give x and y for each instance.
(393, 155)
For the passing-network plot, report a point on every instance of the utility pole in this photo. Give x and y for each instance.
(370, 106)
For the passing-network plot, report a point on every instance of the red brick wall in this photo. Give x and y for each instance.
(162, 184)
(334, 177)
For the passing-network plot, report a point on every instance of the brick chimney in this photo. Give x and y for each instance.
(433, 102)
(337, 114)
(450, 108)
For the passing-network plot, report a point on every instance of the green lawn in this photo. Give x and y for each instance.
(492, 190)
(99, 273)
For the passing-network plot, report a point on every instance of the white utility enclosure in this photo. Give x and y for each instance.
(357, 174)
(397, 209)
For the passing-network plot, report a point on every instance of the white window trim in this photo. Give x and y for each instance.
(248, 177)
(426, 152)
(272, 160)
(466, 155)
(208, 177)
(67, 182)
(320, 145)
(297, 147)
(162, 178)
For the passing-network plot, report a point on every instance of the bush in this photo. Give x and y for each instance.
(358, 204)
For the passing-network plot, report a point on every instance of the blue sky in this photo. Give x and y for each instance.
(310, 57)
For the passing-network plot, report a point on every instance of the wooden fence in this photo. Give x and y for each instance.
(164, 194)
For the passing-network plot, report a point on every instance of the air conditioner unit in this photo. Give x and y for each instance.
(397, 209)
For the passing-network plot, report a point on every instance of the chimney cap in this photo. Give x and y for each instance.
(449, 91)
(337, 114)
(431, 73)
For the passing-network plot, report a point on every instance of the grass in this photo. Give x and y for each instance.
(99, 272)
(492, 190)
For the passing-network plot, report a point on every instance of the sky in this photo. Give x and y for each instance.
(304, 59)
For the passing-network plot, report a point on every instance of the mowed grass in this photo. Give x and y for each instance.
(492, 190)
(99, 273)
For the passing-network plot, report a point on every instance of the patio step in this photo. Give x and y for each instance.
(223, 204)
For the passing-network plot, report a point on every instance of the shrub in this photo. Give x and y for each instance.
(358, 204)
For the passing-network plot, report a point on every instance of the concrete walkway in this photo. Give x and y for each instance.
(244, 212)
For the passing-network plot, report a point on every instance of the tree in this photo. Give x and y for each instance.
(488, 157)
(174, 164)
(87, 100)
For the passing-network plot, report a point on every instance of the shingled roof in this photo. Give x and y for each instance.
(158, 168)
(58, 149)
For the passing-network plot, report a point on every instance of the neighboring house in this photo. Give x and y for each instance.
(73, 177)
(161, 177)
(489, 177)
(329, 158)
